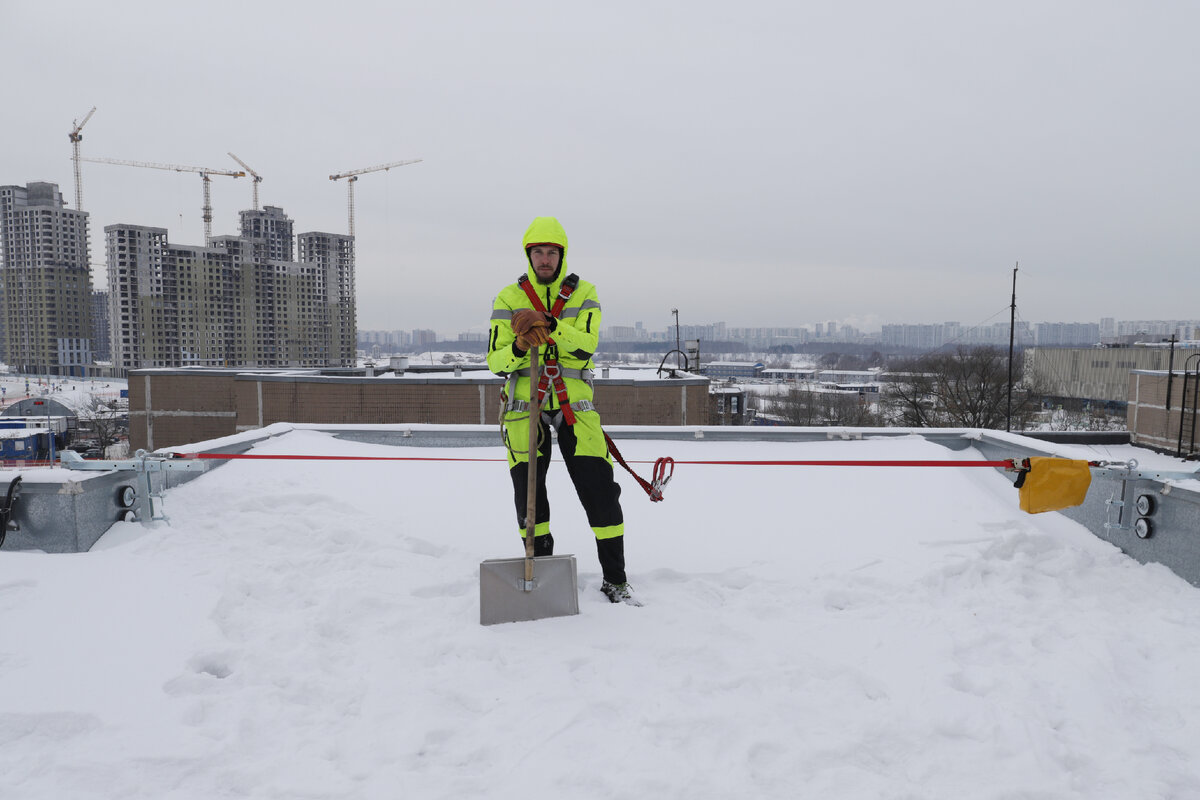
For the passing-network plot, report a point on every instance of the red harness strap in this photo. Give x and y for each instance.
(551, 372)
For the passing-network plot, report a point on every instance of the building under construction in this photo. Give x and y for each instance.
(239, 302)
(45, 284)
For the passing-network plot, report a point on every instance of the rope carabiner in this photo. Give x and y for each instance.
(664, 470)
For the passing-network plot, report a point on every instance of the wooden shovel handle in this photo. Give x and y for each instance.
(535, 421)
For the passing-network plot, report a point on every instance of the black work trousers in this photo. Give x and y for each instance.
(598, 492)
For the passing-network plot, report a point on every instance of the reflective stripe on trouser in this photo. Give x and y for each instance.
(586, 436)
(598, 492)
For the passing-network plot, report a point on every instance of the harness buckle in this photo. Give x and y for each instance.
(551, 371)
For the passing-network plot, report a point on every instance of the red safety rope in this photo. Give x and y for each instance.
(664, 468)
(230, 456)
(1007, 463)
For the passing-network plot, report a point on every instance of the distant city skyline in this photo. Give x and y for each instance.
(929, 335)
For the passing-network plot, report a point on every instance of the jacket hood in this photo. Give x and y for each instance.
(546, 230)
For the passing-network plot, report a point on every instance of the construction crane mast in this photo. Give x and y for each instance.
(77, 137)
(204, 173)
(253, 174)
(353, 176)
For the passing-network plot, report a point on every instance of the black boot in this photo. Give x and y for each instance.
(612, 559)
(620, 593)
(543, 545)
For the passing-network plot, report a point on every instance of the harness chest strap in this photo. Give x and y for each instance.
(564, 293)
(513, 403)
(551, 371)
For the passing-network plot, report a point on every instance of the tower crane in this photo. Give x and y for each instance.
(204, 173)
(253, 174)
(76, 138)
(353, 176)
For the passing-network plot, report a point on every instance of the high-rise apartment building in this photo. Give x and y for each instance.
(271, 231)
(386, 341)
(101, 329)
(332, 255)
(952, 334)
(231, 303)
(1067, 333)
(423, 337)
(45, 283)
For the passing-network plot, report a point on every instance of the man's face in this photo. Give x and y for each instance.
(544, 258)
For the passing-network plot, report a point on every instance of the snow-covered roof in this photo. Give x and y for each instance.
(311, 628)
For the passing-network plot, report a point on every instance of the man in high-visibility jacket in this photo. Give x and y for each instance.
(554, 311)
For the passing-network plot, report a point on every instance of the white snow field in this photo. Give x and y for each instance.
(310, 629)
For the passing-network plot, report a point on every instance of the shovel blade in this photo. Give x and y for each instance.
(504, 598)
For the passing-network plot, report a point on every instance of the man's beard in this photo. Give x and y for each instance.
(551, 279)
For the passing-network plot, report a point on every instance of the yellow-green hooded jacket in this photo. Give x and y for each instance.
(574, 339)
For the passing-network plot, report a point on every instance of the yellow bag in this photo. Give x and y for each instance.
(1054, 483)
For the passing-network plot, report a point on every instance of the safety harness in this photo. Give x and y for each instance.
(551, 373)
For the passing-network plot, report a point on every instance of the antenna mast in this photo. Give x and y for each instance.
(1012, 324)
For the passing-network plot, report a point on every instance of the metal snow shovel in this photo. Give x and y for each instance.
(520, 589)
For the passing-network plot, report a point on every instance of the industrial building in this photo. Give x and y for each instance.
(732, 369)
(1097, 374)
(45, 283)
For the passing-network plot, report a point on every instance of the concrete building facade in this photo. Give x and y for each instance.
(232, 303)
(271, 231)
(333, 256)
(45, 282)
(101, 327)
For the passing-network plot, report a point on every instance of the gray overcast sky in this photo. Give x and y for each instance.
(760, 163)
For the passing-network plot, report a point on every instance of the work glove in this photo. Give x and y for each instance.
(526, 318)
(536, 336)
